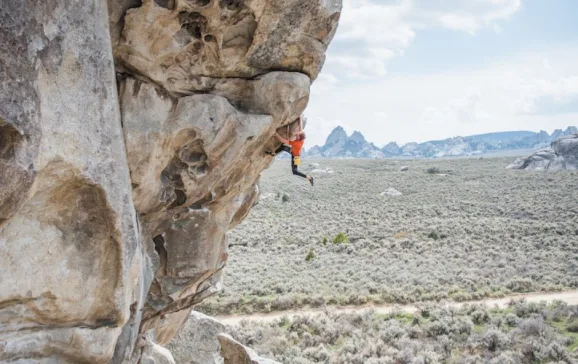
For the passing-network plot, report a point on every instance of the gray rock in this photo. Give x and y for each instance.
(235, 353)
(155, 354)
(391, 192)
(73, 264)
(196, 342)
(404, 168)
(562, 155)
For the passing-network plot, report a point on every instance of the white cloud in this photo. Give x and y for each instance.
(371, 33)
(520, 92)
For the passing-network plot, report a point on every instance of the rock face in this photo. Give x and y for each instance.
(339, 145)
(131, 139)
(563, 154)
(197, 341)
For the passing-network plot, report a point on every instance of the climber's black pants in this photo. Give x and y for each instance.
(287, 148)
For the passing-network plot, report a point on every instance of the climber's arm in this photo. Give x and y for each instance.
(281, 139)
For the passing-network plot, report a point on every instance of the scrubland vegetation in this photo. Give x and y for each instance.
(522, 334)
(476, 230)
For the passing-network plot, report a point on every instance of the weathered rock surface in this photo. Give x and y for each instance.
(235, 353)
(563, 154)
(155, 354)
(115, 197)
(197, 342)
(70, 251)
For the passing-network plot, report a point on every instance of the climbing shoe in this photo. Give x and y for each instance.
(311, 181)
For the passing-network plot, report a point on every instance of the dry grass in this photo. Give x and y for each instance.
(522, 334)
(477, 231)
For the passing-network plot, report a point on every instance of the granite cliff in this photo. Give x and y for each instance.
(132, 137)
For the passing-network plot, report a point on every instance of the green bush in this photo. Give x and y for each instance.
(572, 325)
(341, 238)
(325, 240)
(310, 255)
(433, 170)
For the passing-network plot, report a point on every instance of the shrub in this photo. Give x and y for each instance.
(341, 238)
(572, 325)
(433, 170)
(511, 320)
(479, 317)
(325, 240)
(310, 255)
(494, 339)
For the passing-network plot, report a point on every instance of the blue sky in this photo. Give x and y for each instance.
(414, 70)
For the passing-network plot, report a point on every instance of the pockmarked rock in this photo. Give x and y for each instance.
(131, 141)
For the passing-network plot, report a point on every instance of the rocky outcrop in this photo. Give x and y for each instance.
(233, 352)
(339, 145)
(131, 140)
(563, 154)
(203, 340)
(197, 341)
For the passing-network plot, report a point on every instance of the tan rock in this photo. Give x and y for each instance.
(235, 353)
(114, 204)
(155, 354)
(186, 46)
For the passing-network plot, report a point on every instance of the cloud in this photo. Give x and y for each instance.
(371, 33)
(531, 90)
(549, 96)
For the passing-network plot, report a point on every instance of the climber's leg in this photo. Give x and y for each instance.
(283, 148)
(295, 171)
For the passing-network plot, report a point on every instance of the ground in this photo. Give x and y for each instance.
(523, 333)
(462, 229)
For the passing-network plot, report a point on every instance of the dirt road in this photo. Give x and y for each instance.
(569, 297)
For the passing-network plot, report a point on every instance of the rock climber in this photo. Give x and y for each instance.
(293, 147)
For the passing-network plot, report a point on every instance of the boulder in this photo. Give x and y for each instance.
(404, 168)
(391, 192)
(196, 342)
(563, 154)
(155, 354)
(235, 353)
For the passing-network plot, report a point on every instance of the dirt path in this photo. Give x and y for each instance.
(569, 297)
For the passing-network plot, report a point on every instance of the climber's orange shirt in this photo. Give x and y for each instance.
(296, 146)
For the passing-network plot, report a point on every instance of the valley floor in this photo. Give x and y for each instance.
(370, 234)
(462, 229)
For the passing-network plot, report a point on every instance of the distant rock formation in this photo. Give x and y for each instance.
(563, 154)
(132, 137)
(339, 145)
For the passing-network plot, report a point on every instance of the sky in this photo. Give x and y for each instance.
(417, 70)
